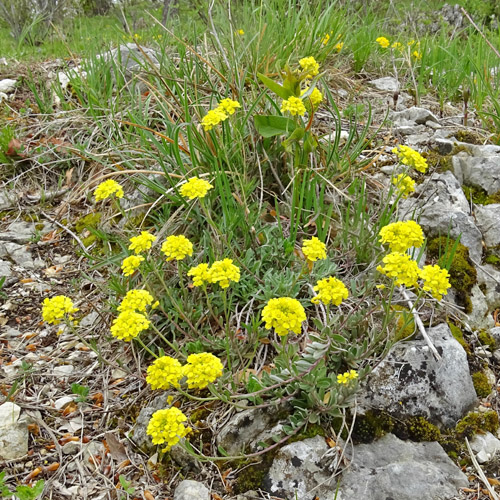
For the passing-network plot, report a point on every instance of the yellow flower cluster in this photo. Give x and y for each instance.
(397, 46)
(217, 115)
(401, 268)
(56, 308)
(404, 184)
(137, 300)
(417, 55)
(142, 242)
(284, 314)
(106, 189)
(314, 249)
(346, 377)
(309, 66)
(200, 274)
(339, 46)
(400, 236)
(330, 291)
(131, 264)
(293, 105)
(221, 272)
(128, 325)
(167, 427)
(177, 247)
(383, 42)
(164, 373)
(195, 188)
(410, 157)
(316, 96)
(436, 280)
(202, 369)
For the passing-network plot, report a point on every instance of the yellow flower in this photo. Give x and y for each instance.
(131, 264)
(404, 184)
(339, 46)
(436, 280)
(410, 157)
(316, 96)
(284, 314)
(136, 300)
(200, 274)
(202, 369)
(383, 42)
(128, 325)
(165, 372)
(325, 39)
(177, 247)
(347, 376)
(314, 249)
(401, 268)
(400, 236)
(309, 66)
(56, 308)
(397, 46)
(222, 272)
(293, 105)
(229, 106)
(213, 118)
(195, 188)
(142, 242)
(106, 189)
(240, 32)
(167, 426)
(417, 55)
(330, 291)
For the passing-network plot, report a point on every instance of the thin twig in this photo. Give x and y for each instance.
(466, 14)
(420, 325)
(480, 472)
(75, 237)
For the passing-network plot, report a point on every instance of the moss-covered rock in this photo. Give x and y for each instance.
(419, 429)
(487, 339)
(405, 323)
(463, 274)
(458, 334)
(88, 221)
(476, 422)
(479, 196)
(481, 384)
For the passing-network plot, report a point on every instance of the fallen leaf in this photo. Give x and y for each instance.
(116, 447)
(493, 481)
(14, 148)
(330, 442)
(52, 271)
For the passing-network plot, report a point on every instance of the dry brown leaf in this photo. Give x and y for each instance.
(116, 447)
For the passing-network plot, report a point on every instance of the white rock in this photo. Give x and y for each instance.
(64, 370)
(13, 432)
(7, 85)
(486, 446)
(191, 490)
(387, 83)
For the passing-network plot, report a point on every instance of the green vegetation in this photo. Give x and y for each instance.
(477, 422)
(481, 384)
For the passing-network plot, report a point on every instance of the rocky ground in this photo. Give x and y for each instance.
(74, 410)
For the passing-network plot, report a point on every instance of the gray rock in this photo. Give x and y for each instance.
(21, 232)
(139, 436)
(442, 208)
(13, 432)
(19, 254)
(248, 495)
(409, 129)
(131, 58)
(488, 222)
(488, 278)
(71, 448)
(387, 83)
(410, 382)
(486, 446)
(393, 469)
(244, 428)
(479, 317)
(495, 333)
(7, 85)
(300, 470)
(417, 139)
(191, 490)
(478, 171)
(5, 269)
(433, 125)
(414, 114)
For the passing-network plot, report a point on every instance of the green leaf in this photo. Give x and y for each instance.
(339, 338)
(272, 125)
(28, 493)
(278, 89)
(222, 451)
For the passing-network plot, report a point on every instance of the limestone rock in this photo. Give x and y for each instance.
(488, 278)
(486, 446)
(139, 437)
(478, 171)
(414, 114)
(393, 469)
(13, 432)
(488, 222)
(22, 232)
(7, 85)
(5, 269)
(387, 83)
(410, 382)
(480, 316)
(191, 490)
(442, 208)
(300, 470)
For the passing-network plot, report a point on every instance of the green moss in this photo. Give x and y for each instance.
(458, 334)
(476, 422)
(440, 163)
(372, 425)
(88, 221)
(252, 475)
(463, 275)
(479, 196)
(492, 259)
(312, 430)
(487, 339)
(481, 384)
(468, 136)
(419, 429)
